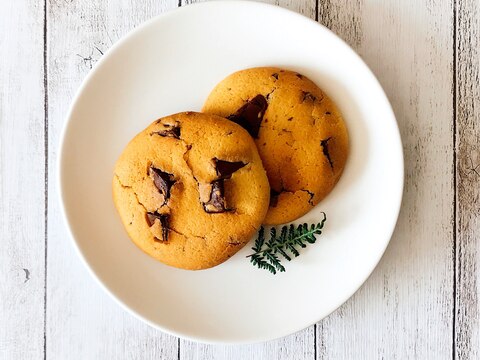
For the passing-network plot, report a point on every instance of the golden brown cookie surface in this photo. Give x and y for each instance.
(299, 132)
(191, 190)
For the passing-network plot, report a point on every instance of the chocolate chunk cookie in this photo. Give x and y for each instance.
(298, 130)
(191, 190)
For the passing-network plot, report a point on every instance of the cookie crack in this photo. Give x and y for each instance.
(232, 241)
(325, 151)
(267, 96)
(275, 194)
(308, 96)
(310, 194)
(185, 236)
(139, 202)
(315, 100)
(121, 183)
(129, 187)
(186, 158)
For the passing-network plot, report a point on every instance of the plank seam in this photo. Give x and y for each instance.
(454, 247)
(45, 139)
(178, 348)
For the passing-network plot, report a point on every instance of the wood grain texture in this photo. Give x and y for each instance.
(304, 7)
(82, 321)
(22, 180)
(405, 309)
(299, 346)
(467, 329)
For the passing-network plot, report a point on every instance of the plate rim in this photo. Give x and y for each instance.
(60, 159)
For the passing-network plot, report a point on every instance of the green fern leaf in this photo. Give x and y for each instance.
(283, 234)
(267, 254)
(259, 240)
(284, 254)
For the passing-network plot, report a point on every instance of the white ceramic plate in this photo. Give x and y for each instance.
(170, 64)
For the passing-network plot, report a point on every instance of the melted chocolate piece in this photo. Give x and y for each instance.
(169, 131)
(308, 96)
(324, 145)
(216, 197)
(163, 181)
(250, 115)
(216, 203)
(163, 218)
(275, 75)
(225, 169)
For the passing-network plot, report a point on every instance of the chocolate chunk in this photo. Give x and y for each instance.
(163, 181)
(151, 217)
(163, 218)
(307, 96)
(324, 145)
(274, 197)
(250, 115)
(215, 192)
(216, 203)
(300, 76)
(275, 75)
(225, 169)
(169, 131)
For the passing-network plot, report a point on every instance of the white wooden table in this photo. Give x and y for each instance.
(423, 300)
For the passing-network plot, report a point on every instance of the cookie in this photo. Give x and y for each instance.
(299, 132)
(191, 190)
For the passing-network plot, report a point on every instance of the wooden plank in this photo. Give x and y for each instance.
(467, 299)
(405, 310)
(22, 180)
(299, 346)
(304, 7)
(82, 321)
